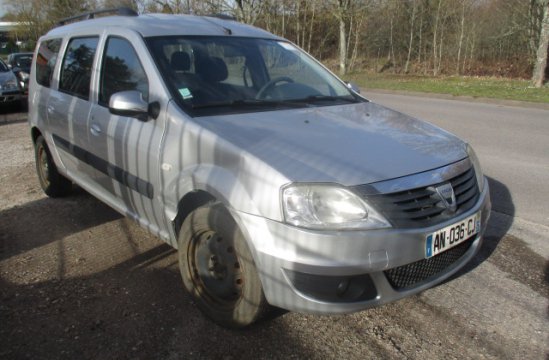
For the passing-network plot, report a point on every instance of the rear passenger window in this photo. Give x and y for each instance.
(45, 61)
(77, 66)
(121, 71)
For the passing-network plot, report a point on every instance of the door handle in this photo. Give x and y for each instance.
(95, 129)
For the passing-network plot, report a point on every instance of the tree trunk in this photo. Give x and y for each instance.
(541, 58)
(391, 55)
(283, 20)
(348, 42)
(411, 39)
(311, 27)
(419, 48)
(355, 46)
(460, 38)
(342, 47)
(343, 6)
(435, 72)
(298, 23)
(442, 28)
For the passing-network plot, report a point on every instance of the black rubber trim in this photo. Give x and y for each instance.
(334, 289)
(122, 176)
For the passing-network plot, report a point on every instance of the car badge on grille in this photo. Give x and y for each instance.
(447, 195)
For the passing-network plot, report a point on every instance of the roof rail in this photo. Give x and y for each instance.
(122, 11)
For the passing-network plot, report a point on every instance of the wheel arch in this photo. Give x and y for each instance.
(188, 203)
(35, 133)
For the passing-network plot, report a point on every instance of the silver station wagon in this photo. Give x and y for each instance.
(278, 184)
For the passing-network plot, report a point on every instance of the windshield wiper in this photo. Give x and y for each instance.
(314, 98)
(247, 103)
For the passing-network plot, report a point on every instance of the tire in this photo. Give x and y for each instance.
(218, 269)
(52, 182)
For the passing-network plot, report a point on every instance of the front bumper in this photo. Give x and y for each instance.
(323, 271)
(9, 96)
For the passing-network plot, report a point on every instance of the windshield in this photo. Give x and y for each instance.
(3, 67)
(227, 75)
(22, 61)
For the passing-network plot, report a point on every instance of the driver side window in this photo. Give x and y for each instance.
(121, 71)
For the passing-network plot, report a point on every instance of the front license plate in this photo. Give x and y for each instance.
(450, 236)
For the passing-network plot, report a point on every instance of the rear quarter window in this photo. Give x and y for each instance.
(45, 61)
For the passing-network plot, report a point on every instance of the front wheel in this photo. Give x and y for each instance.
(217, 268)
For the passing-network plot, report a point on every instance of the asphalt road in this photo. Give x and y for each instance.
(77, 280)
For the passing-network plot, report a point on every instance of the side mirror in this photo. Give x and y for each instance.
(351, 85)
(129, 103)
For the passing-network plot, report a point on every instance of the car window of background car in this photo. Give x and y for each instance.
(3, 67)
(77, 66)
(121, 71)
(45, 61)
(22, 61)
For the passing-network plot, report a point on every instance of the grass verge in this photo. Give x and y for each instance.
(486, 87)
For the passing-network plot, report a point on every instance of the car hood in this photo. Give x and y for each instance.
(346, 144)
(6, 75)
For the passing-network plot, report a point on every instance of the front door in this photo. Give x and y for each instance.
(125, 150)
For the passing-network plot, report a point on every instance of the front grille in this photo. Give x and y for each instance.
(422, 206)
(407, 276)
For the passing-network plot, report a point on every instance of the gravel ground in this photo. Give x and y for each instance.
(77, 280)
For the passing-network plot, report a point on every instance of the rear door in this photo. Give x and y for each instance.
(69, 106)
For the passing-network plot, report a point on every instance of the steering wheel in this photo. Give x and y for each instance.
(265, 89)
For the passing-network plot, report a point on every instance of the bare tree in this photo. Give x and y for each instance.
(38, 16)
(461, 35)
(541, 59)
(250, 10)
(411, 40)
(435, 33)
(342, 13)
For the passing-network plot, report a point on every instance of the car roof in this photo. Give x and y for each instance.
(21, 54)
(149, 25)
(13, 56)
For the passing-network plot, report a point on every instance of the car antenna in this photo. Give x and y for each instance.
(227, 30)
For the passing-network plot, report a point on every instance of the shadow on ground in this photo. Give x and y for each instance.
(13, 113)
(507, 252)
(497, 229)
(57, 302)
(47, 220)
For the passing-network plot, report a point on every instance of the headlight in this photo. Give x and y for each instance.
(324, 206)
(24, 76)
(476, 165)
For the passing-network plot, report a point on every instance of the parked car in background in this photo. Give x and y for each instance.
(20, 64)
(10, 90)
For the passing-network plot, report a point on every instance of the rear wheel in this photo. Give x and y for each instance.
(52, 182)
(217, 268)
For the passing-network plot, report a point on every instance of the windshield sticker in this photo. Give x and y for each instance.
(185, 93)
(287, 46)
